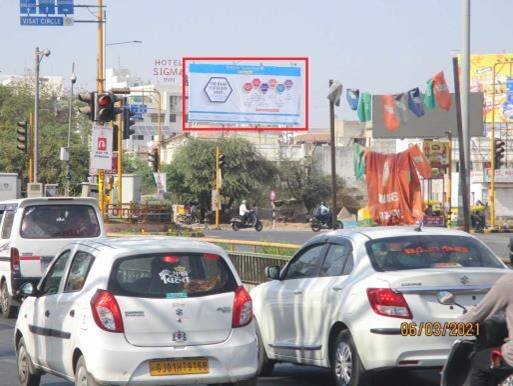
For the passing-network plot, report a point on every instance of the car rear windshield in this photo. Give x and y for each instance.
(173, 275)
(59, 222)
(418, 252)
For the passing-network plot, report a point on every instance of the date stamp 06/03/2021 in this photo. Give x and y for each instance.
(456, 329)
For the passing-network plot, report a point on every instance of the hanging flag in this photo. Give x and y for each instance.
(442, 94)
(390, 118)
(364, 107)
(359, 161)
(429, 97)
(401, 107)
(352, 98)
(415, 102)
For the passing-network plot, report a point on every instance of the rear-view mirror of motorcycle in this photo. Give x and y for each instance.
(272, 272)
(445, 298)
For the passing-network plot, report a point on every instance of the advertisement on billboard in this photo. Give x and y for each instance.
(437, 153)
(266, 95)
(101, 148)
(481, 80)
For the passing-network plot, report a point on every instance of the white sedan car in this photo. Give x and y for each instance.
(362, 300)
(141, 311)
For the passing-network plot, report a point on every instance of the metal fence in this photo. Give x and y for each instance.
(251, 266)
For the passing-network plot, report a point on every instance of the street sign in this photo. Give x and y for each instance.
(101, 149)
(65, 7)
(42, 20)
(28, 6)
(46, 7)
(138, 110)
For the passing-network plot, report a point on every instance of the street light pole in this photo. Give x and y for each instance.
(39, 56)
(465, 89)
(73, 79)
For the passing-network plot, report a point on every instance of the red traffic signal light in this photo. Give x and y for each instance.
(106, 110)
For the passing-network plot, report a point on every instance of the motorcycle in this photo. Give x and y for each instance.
(252, 221)
(456, 371)
(318, 224)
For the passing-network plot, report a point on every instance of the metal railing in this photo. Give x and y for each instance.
(141, 213)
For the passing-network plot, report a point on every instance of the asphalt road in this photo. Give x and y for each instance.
(498, 242)
(284, 375)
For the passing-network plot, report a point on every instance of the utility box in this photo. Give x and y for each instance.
(34, 189)
(51, 190)
(89, 190)
(10, 188)
(131, 188)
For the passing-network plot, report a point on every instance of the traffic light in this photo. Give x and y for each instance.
(115, 137)
(499, 153)
(90, 109)
(105, 104)
(153, 159)
(22, 136)
(127, 122)
(220, 160)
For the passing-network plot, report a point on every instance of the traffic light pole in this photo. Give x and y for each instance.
(30, 141)
(99, 80)
(120, 158)
(216, 201)
(36, 112)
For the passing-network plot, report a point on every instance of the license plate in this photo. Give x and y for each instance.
(179, 366)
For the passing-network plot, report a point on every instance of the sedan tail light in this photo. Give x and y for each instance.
(386, 302)
(15, 260)
(242, 308)
(106, 311)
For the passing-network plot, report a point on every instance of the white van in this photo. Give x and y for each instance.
(32, 231)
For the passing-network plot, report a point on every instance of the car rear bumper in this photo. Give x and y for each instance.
(124, 364)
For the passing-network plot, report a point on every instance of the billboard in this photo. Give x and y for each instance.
(437, 153)
(433, 124)
(101, 148)
(227, 94)
(167, 71)
(481, 80)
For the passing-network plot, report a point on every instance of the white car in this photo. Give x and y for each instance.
(347, 300)
(138, 311)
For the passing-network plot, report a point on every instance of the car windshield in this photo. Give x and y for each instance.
(428, 251)
(59, 221)
(173, 275)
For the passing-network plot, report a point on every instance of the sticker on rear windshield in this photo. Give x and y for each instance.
(176, 276)
(436, 248)
(176, 295)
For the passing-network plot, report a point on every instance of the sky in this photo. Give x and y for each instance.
(380, 46)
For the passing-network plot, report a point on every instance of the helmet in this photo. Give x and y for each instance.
(244, 202)
(323, 203)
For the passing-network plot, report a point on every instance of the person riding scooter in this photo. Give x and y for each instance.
(244, 212)
(323, 214)
(498, 299)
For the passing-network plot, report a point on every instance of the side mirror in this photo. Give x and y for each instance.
(272, 272)
(446, 298)
(27, 289)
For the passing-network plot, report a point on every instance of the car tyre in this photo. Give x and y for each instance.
(82, 376)
(346, 367)
(27, 374)
(265, 365)
(7, 309)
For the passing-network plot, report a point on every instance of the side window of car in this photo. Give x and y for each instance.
(306, 264)
(55, 275)
(78, 271)
(7, 224)
(338, 260)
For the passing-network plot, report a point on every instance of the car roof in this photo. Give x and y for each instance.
(381, 232)
(119, 246)
(53, 200)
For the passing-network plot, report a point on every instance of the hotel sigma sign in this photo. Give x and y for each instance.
(167, 71)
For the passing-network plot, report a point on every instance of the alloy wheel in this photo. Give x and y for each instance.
(81, 376)
(4, 300)
(23, 365)
(343, 363)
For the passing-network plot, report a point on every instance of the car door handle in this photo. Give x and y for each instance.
(72, 313)
(47, 313)
(298, 292)
(337, 288)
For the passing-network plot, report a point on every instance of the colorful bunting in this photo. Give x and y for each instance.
(352, 98)
(390, 112)
(365, 107)
(415, 102)
(442, 94)
(401, 107)
(429, 97)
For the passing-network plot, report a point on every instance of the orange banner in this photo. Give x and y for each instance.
(393, 186)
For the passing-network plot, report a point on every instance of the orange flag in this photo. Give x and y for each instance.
(390, 118)
(442, 94)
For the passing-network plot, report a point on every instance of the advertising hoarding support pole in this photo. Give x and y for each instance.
(333, 165)
(449, 173)
(217, 188)
(465, 90)
(120, 158)
(36, 112)
(463, 169)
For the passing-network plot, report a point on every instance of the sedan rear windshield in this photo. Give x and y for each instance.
(419, 252)
(59, 222)
(173, 275)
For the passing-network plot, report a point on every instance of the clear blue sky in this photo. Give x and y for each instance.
(381, 46)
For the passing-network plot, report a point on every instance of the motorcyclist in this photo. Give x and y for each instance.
(322, 213)
(244, 212)
(498, 299)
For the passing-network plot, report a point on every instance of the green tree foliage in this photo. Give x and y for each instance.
(134, 165)
(16, 102)
(245, 173)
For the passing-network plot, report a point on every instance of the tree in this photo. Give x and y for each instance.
(134, 165)
(191, 175)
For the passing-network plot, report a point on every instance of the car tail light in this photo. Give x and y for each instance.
(386, 302)
(106, 312)
(242, 308)
(171, 259)
(15, 260)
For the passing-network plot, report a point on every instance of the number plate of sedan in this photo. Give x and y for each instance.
(179, 366)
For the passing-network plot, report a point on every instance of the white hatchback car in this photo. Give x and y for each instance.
(138, 311)
(355, 300)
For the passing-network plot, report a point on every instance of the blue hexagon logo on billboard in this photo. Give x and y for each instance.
(218, 89)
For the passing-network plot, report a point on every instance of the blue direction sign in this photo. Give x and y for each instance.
(46, 7)
(28, 6)
(138, 111)
(42, 20)
(65, 7)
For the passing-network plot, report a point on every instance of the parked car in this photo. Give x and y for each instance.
(145, 311)
(345, 299)
(32, 231)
